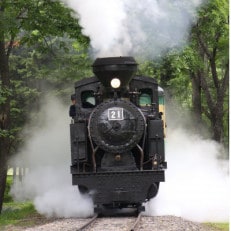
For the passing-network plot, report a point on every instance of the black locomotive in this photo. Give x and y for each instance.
(117, 135)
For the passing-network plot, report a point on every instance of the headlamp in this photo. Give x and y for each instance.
(115, 83)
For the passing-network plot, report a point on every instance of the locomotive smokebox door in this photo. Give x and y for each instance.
(116, 127)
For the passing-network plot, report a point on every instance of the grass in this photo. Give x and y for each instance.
(21, 215)
(7, 196)
(219, 226)
(18, 213)
(14, 212)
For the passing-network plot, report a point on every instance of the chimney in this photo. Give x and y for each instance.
(122, 68)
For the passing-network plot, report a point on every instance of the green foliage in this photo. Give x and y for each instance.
(31, 21)
(35, 73)
(214, 26)
(54, 69)
(47, 51)
(14, 213)
(200, 68)
(210, 45)
(7, 196)
(172, 74)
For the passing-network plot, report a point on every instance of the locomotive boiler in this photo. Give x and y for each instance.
(117, 135)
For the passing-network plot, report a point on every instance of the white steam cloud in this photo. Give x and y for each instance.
(143, 29)
(197, 183)
(196, 187)
(197, 178)
(47, 155)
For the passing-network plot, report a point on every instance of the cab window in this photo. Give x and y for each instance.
(88, 99)
(145, 98)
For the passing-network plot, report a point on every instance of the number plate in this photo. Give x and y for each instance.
(115, 114)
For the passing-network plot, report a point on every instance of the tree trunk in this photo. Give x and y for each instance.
(4, 119)
(218, 130)
(218, 125)
(196, 96)
(3, 174)
(214, 86)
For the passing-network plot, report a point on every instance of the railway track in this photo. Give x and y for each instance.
(122, 223)
(84, 226)
(112, 223)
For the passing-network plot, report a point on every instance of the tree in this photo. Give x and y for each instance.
(5, 107)
(210, 64)
(26, 22)
(198, 76)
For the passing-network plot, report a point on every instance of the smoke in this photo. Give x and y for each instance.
(197, 178)
(144, 29)
(47, 156)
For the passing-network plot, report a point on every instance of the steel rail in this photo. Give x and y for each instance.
(133, 228)
(88, 223)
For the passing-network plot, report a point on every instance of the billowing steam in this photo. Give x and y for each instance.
(144, 29)
(196, 184)
(47, 155)
(197, 178)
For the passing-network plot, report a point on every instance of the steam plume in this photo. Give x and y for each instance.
(143, 29)
(47, 155)
(197, 178)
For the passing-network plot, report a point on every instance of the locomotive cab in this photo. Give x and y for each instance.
(117, 137)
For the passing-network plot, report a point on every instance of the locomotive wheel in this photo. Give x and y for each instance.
(83, 189)
(153, 190)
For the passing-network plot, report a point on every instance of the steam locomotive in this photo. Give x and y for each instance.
(117, 135)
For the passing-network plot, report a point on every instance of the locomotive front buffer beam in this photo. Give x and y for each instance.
(120, 189)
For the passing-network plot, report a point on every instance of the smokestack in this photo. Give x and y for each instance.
(122, 68)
